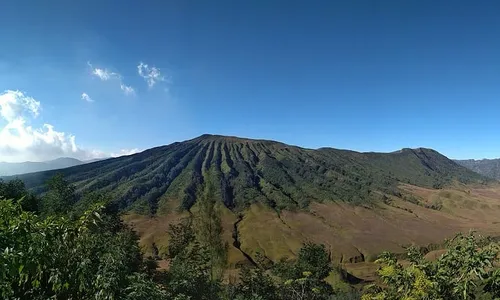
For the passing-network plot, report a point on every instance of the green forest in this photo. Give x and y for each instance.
(246, 171)
(67, 245)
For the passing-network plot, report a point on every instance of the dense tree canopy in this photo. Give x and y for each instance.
(63, 259)
(16, 191)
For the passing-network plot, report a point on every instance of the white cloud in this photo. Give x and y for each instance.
(150, 74)
(125, 152)
(19, 141)
(128, 90)
(86, 97)
(105, 75)
(14, 104)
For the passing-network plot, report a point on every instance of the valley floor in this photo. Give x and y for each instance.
(355, 235)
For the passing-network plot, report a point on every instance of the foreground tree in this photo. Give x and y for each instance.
(303, 278)
(190, 275)
(468, 270)
(60, 196)
(208, 230)
(255, 283)
(57, 258)
(15, 190)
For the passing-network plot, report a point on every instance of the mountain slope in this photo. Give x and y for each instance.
(249, 171)
(7, 169)
(486, 167)
(422, 167)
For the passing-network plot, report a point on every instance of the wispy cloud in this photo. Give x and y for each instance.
(103, 74)
(151, 75)
(86, 97)
(106, 75)
(128, 90)
(19, 141)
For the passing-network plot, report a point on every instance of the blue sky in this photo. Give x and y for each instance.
(362, 75)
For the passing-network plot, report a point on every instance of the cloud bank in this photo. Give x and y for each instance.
(19, 141)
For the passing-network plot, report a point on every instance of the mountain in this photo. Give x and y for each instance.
(273, 197)
(249, 171)
(7, 169)
(486, 167)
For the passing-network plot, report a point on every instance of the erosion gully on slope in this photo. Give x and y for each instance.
(236, 242)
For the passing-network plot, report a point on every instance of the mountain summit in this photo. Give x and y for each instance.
(247, 171)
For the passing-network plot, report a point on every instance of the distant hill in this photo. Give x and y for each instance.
(7, 169)
(247, 171)
(486, 167)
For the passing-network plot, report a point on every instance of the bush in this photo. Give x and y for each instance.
(466, 271)
(59, 258)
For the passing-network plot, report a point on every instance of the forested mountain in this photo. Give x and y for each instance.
(7, 169)
(258, 171)
(486, 167)
(292, 223)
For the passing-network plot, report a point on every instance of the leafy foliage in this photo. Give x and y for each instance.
(208, 229)
(191, 272)
(86, 252)
(304, 277)
(15, 190)
(65, 252)
(289, 279)
(468, 270)
(190, 275)
(181, 236)
(311, 258)
(256, 284)
(63, 259)
(60, 196)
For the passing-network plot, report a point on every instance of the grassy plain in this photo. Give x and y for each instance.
(354, 235)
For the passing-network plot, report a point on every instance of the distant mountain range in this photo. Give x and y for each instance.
(486, 167)
(7, 169)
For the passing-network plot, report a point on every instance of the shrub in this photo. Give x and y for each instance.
(466, 271)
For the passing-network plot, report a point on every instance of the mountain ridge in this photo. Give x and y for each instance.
(247, 171)
(7, 169)
(486, 167)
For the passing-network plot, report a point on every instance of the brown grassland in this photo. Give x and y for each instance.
(354, 235)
